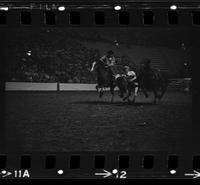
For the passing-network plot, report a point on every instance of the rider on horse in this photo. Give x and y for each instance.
(109, 58)
(131, 78)
(106, 73)
(109, 61)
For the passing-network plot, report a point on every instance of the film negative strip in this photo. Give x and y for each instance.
(99, 90)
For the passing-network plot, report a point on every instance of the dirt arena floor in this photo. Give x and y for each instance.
(80, 121)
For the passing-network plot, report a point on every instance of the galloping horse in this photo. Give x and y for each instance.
(105, 77)
(153, 80)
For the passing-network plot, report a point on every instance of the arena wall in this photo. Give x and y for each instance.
(29, 86)
(181, 84)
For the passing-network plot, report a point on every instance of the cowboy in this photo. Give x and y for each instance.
(131, 78)
(109, 60)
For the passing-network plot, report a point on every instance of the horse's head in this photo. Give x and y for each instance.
(145, 64)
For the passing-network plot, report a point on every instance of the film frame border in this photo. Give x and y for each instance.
(138, 15)
(84, 169)
(136, 165)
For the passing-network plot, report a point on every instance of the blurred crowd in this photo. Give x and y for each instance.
(46, 55)
(37, 62)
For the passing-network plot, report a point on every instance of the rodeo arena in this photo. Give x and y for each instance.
(99, 89)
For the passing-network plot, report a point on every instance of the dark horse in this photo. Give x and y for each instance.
(105, 77)
(153, 80)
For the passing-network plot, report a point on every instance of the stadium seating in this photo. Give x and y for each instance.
(54, 55)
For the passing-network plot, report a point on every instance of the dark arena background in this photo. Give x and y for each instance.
(52, 104)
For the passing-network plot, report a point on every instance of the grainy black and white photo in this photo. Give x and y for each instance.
(98, 89)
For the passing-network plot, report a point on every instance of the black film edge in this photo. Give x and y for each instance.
(62, 62)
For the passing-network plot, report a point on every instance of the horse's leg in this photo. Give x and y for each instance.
(129, 95)
(128, 92)
(101, 92)
(155, 94)
(121, 93)
(163, 90)
(112, 94)
(133, 100)
(97, 88)
(130, 88)
(135, 93)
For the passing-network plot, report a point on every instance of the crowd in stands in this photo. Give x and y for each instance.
(48, 71)
(46, 56)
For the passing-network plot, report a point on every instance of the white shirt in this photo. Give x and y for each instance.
(131, 75)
